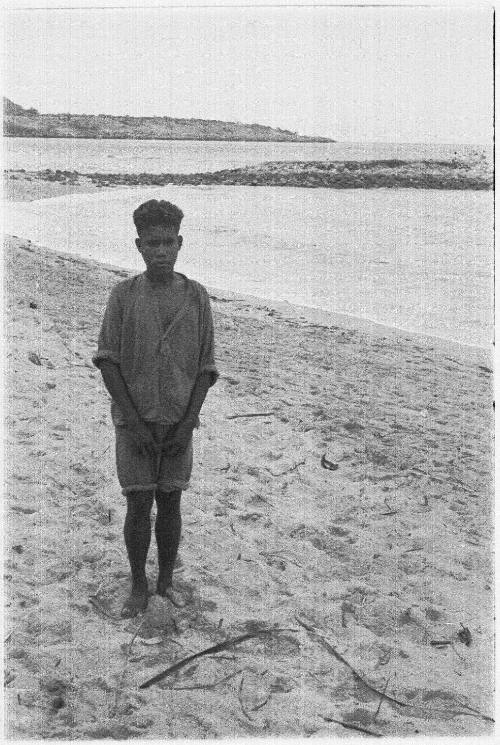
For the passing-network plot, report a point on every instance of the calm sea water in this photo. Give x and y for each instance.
(414, 259)
(167, 156)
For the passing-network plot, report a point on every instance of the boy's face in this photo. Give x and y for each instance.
(159, 246)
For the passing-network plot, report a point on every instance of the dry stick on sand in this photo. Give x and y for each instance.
(384, 696)
(240, 416)
(353, 726)
(240, 698)
(206, 686)
(122, 678)
(381, 699)
(210, 650)
(254, 708)
(289, 470)
(418, 473)
(457, 653)
(391, 510)
(339, 657)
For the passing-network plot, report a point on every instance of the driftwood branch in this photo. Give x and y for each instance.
(381, 699)
(210, 650)
(134, 636)
(356, 727)
(206, 686)
(465, 711)
(475, 712)
(122, 677)
(240, 698)
(241, 416)
(288, 470)
(449, 479)
(339, 657)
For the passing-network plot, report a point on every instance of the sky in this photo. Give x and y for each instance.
(354, 74)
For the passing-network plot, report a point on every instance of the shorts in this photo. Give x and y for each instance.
(144, 472)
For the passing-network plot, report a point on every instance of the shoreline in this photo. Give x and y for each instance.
(306, 140)
(24, 188)
(371, 327)
(474, 353)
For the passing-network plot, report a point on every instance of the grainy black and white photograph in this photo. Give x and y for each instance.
(248, 282)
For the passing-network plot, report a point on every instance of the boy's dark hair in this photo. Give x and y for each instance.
(157, 212)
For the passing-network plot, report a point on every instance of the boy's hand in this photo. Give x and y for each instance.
(142, 437)
(179, 439)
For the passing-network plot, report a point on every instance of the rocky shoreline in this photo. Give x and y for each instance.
(373, 174)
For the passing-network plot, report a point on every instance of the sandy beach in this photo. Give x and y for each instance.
(351, 519)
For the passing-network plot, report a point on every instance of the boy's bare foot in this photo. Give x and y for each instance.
(137, 602)
(167, 591)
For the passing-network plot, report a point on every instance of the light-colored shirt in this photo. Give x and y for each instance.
(159, 365)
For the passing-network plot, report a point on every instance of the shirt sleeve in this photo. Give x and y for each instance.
(108, 345)
(207, 347)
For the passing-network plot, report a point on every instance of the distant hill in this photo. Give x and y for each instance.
(20, 122)
(13, 109)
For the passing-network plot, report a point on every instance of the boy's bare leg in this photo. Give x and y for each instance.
(137, 533)
(168, 534)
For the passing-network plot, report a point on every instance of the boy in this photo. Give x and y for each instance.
(156, 356)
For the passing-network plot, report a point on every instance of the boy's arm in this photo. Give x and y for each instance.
(117, 389)
(179, 441)
(200, 390)
(207, 375)
(107, 359)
